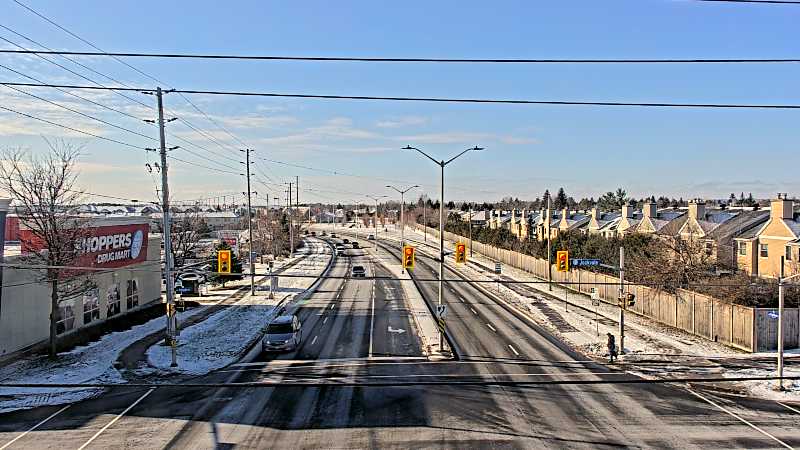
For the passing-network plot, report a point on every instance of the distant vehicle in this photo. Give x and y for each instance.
(346, 241)
(355, 244)
(371, 237)
(339, 248)
(305, 232)
(324, 233)
(359, 272)
(283, 334)
(333, 235)
(313, 233)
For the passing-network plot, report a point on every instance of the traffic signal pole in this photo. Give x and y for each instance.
(250, 227)
(172, 320)
(621, 305)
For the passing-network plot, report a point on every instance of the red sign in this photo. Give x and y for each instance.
(106, 247)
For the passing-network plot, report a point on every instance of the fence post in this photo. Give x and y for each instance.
(731, 324)
(711, 322)
(694, 324)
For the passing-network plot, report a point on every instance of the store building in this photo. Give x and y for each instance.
(130, 281)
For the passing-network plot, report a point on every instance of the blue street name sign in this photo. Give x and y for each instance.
(584, 262)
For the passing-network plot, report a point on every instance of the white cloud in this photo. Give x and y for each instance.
(518, 140)
(455, 137)
(404, 121)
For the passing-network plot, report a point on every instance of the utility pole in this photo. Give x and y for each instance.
(172, 320)
(442, 165)
(297, 197)
(620, 300)
(291, 227)
(250, 226)
(376, 198)
(424, 220)
(549, 252)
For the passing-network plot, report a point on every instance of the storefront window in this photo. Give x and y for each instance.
(132, 294)
(113, 300)
(91, 306)
(66, 316)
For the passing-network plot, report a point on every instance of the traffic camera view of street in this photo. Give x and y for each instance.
(419, 225)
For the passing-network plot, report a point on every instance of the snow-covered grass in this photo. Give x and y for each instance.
(91, 363)
(222, 338)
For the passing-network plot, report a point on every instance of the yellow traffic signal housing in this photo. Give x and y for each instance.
(461, 253)
(409, 253)
(562, 261)
(630, 299)
(224, 261)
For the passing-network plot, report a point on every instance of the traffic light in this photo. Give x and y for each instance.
(224, 261)
(408, 257)
(630, 299)
(562, 261)
(461, 253)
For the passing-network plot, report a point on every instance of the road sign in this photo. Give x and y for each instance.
(461, 253)
(224, 261)
(772, 315)
(441, 311)
(562, 261)
(498, 268)
(583, 262)
(408, 257)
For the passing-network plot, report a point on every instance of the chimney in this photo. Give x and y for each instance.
(564, 213)
(781, 207)
(697, 209)
(594, 213)
(649, 210)
(627, 211)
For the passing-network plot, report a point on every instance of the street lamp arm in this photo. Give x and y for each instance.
(408, 147)
(476, 148)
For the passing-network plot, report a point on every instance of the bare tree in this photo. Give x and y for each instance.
(186, 230)
(44, 189)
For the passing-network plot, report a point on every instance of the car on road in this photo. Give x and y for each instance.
(333, 235)
(359, 272)
(346, 241)
(340, 249)
(324, 233)
(313, 233)
(354, 244)
(371, 237)
(284, 333)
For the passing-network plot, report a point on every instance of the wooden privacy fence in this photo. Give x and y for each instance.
(742, 327)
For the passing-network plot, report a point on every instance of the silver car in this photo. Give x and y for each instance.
(283, 334)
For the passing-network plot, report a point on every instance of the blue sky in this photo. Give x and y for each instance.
(587, 150)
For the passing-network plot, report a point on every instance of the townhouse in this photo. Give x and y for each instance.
(761, 250)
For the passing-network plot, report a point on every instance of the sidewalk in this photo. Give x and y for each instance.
(95, 361)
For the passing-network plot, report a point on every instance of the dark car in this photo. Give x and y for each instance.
(333, 235)
(346, 241)
(359, 272)
(354, 244)
(313, 233)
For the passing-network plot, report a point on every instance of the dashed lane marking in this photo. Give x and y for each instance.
(115, 419)
(314, 340)
(513, 349)
(473, 310)
(491, 327)
(8, 444)
(324, 320)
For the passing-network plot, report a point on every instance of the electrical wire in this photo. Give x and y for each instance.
(442, 99)
(435, 60)
(774, 2)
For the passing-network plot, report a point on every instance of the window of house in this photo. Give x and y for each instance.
(763, 250)
(91, 306)
(788, 253)
(742, 249)
(113, 300)
(132, 294)
(66, 316)
(709, 247)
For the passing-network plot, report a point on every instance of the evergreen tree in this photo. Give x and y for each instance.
(561, 199)
(546, 198)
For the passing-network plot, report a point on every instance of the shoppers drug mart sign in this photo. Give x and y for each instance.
(105, 246)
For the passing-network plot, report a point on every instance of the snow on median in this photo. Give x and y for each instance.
(224, 337)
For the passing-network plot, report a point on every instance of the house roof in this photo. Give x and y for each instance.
(739, 223)
(670, 227)
(610, 225)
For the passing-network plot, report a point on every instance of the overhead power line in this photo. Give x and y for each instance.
(432, 60)
(775, 2)
(440, 99)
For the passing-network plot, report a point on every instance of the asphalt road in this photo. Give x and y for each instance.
(350, 335)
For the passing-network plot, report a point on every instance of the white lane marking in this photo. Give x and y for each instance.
(332, 305)
(473, 310)
(491, 327)
(721, 408)
(115, 419)
(8, 444)
(513, 349)
(462, 300)
(314, 340)
(324, 320)
(446, 375)
(782, 404)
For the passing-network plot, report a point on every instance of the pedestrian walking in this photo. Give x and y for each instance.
(612, 347)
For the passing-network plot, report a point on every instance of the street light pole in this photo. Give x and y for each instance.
(442, 165)
(402, 214)
(781, 287)
(375, 220)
